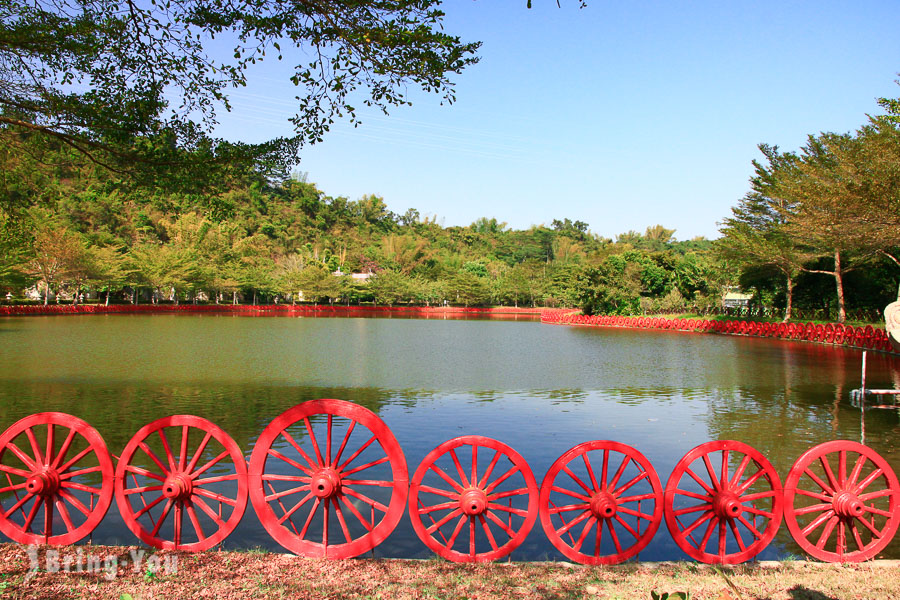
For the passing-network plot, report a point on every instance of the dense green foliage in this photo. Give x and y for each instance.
(830, 209)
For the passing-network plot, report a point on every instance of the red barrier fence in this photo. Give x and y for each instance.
(286, 309)
(327, 478)
(866, 337)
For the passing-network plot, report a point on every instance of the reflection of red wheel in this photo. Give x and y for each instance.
(296, 473)
(841, 502)
(726, 490)
(581, 497)
(499, 501)
(181, 484)
(58, 476)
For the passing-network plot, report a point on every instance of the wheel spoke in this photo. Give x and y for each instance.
(878, 494)
(447, 478)
(570, 493)
(440, 523)
(826, 531)
(637, 478)
(459, 469)
(216, 479)
(484, 526)
(724, 470)
(198, 452)
(209, 465)
(80, 487)
(195, 522)
(337, 507)
(508, 509)
(749, 481)
(817, 522)
(753, 531)
(570, 524)
(149, 452)
(691, 509)
(576, 479)
(309, 518)
(369, 465)
(182, 456)
(26, 460)
(38, 457)
(584, 532)
(692, 495)
(737, 535)
(442, 506)
(290, 461)
(144, 472)
(758, 496)
(79, 472)
(456, 531)
(489, 470)
(857, 469)
(64, 448)
(328, 452)
(871, 477)
(613, 535)
(638, 498)
(739, 472)
(215, 496)
(162, 517)
(702, 483)
(206, 508)
(287, 514)
(11, 488)
(19, 504)
(356, 513)
(15, 471)
(815, 495)
(315, 445)
(499, 523)
(842, 467)
(712, 475)
(590, 471)
(474, 477)
(142, 489)
(147, 508)
(509, 494)
(290, 440)
(818, 480)
(51, 441)
(359, 451)
(826, 466)
(366, 499)
(512, 471)
(438, 492)
(635, 513)
(337, 457)
(620, 471)
(627, 527)
(282, 494)
(64, 514)
(166, 448)
(697, 523)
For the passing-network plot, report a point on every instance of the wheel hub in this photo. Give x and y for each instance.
(178, 486)
(473, 501)
(848, 506)
(43, 483)
(325, 483)
(727, 505)
(603, 505)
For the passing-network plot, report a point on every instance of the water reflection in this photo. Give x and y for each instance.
(540, 389)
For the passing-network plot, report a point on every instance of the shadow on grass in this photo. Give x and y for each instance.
(798, 592)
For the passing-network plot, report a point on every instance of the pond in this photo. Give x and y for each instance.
(540, 389)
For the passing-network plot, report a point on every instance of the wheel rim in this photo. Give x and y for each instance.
(56, 475)
(299, 483)
(841, 502)
(733, 511)
(601, 503)
(181, 484)
(459, 483)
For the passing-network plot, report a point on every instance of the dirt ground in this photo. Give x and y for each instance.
(131, 573)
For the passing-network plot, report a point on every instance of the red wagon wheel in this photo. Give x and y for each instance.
(181, 484)
(595, 486)
(842, 502)
(729, 495)
(328, 479)
(58, 479)
(456, 484)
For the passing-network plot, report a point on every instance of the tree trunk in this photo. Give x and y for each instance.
(839, 281)
(107, 296)
(46, 294)
(790, 299)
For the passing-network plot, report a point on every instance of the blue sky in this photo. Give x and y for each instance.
(622, 115)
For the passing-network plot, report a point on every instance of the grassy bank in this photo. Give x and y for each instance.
(123, 573)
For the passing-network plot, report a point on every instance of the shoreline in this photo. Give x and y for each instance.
(140, 573)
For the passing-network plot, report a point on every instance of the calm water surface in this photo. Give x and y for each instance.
(539, 388)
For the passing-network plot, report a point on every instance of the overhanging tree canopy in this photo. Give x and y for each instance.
(135, 86)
